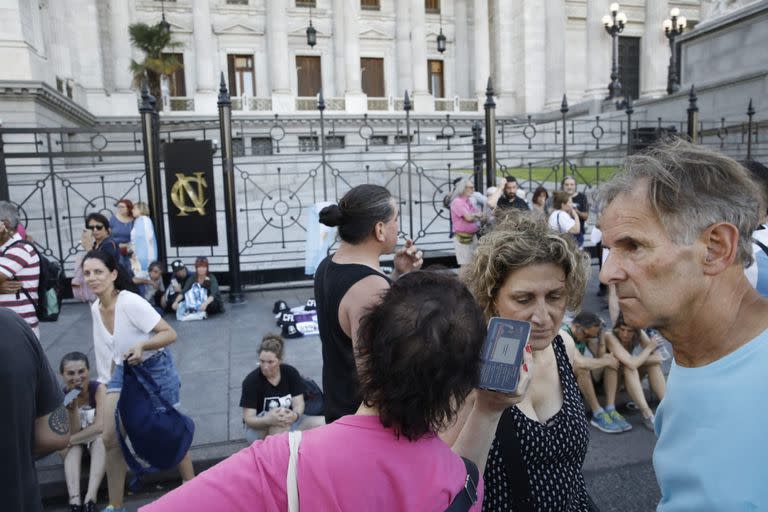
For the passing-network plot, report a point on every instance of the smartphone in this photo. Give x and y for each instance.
(71, 395)
(502, 354)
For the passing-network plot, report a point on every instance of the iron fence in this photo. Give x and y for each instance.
(282, 166)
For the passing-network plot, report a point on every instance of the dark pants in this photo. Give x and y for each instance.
(215, 307)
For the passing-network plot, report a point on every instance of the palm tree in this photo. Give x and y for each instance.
(155, 41)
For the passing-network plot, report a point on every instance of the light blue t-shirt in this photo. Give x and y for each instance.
(712, 451)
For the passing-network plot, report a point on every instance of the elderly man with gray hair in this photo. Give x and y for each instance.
(19, 268)
(678, 221)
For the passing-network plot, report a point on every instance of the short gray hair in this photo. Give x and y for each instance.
(9, 212)
(461, 187)
(691, 188)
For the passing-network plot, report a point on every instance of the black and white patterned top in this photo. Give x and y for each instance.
(553, 453)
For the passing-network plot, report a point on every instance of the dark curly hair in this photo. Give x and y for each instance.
(418, 352)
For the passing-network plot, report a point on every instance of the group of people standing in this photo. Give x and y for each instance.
(401, 356)
(473, 213)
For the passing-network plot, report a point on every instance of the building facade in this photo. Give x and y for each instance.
(68, 61)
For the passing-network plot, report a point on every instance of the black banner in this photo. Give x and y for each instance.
(190, 193)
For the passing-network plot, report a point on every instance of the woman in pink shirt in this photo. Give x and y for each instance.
(418, 357)
(465, 218)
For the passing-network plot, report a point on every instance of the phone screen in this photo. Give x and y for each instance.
(502, 354)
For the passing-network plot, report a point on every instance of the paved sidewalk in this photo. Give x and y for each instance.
(213, 357)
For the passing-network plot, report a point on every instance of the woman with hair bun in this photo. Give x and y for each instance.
(350, 281)
(273, 394)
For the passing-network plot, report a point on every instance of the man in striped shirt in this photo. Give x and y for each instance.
(19, 268)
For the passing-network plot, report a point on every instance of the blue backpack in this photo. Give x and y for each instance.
(159, 435)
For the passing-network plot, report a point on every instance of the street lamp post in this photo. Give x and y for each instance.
(614, 25)
(672, 28)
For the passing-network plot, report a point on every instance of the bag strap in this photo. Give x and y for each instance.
(291, 483)
(761, 245)
(467, 496)
(517, 475)
(24, 290)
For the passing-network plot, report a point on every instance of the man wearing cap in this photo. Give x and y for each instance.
(179, 277)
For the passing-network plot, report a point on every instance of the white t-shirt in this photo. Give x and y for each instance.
(134, 320)
(561, 221)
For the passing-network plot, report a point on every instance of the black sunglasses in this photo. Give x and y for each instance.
(97, 227)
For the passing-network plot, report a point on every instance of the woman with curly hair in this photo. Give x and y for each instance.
(523, 270)
(416, 365)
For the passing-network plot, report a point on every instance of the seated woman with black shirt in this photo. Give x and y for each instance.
(273, 394)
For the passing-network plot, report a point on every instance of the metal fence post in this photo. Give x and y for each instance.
(629, 110)
(150, 134)
(477, 155)
(5, 194)
(564, 112)
(490, 137)
(321, 108)
(230, 211)
(407, 106)
(693, 116)
(750, 114)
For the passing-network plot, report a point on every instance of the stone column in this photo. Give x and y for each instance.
(61, 45)
(87, 57)
(279, 60)
(507, 17)
(555, 26)
(654, 51)
(339, 73)
(356, 101)
(206, 69)
(120, 18)
(482, 53)
(403, 47)
(598, 51)
(422, 100)
(461, 63)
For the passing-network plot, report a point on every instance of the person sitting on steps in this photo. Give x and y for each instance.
(591, 363)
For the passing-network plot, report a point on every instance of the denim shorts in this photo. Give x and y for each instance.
(160, 366)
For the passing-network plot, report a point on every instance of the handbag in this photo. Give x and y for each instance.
(160, 436)
(314, 400)
(464, 238)
(462, 502)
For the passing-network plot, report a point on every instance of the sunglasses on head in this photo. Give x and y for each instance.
(95, 227)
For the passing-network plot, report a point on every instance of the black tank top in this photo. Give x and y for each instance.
(332, 281)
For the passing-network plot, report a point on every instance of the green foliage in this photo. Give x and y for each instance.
(156, 44)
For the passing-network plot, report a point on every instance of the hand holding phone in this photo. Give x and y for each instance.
(71, 395)
(502, 356)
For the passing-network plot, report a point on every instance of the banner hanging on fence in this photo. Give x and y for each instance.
(190, 193)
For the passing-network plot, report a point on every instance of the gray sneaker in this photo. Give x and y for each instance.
(648, 422)
(605, 423)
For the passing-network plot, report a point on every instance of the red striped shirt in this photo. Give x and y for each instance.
(21, 263)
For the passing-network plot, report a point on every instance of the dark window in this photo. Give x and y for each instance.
(372, 71)
(308, 70)
(238, 148)
(403, 139)
(379, 140)
(308, 143)
(334, 142)
(242, 79)
(237, 2)
(69, 89)
(176, 84)
(629, 66)
(306, 3)
(432, 6)
(60, 85)
(261, 146)
(370, 5)
(435, 78)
